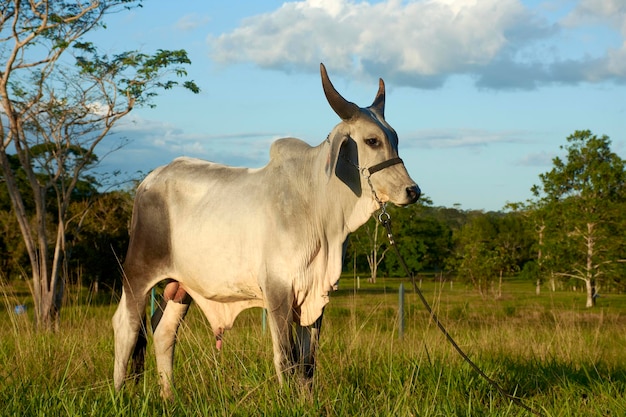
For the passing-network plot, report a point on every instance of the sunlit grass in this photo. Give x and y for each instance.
(559, 357)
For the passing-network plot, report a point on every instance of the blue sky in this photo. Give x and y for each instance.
(482, 93)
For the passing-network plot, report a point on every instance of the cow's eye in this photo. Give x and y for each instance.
(373, 142)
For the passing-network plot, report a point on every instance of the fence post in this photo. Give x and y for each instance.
(264, 320)
(401, 311)
(152, 298)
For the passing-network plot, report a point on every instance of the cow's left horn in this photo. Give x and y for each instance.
(344, 108)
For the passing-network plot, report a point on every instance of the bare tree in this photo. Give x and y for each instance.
(368, 240)
(59, 99)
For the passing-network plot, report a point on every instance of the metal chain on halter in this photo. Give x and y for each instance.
(385, 220)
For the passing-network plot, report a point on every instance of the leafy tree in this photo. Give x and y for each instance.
(422, 236)
(12, 250)
(476, 258)
(583, 197)
(55, 113)
(511, 246)
(488, 247)
(535, 223)
(99, 236)
(424, 240)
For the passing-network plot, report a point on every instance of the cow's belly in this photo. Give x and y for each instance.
(218, 282)
(217, 260)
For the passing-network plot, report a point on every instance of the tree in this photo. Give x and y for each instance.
(12, 250)
(370, 240)
(476, 256)
(99, 236)
(423, 238)
(422, 235)
(584, 197)
(511, 245)
(489, 247)
(59, 99)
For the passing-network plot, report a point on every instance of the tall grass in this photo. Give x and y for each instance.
(558, 357)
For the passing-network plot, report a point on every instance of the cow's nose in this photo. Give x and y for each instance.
(413, 193)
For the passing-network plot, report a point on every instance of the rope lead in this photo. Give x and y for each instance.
(385, 220)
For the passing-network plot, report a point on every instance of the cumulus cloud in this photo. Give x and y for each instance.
(599, 12)
(501, 43)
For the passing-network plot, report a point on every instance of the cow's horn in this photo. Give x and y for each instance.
(345, 109)
(379, 101)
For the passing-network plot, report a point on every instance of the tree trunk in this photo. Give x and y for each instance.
(590, 286)
(374, 266)
(590, 282)
(373, 258)
(540, 259)
(48, 287)
(48, 294)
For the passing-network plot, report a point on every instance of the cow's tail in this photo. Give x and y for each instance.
(139, 353)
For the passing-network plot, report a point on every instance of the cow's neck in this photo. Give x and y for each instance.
(349, 209)
(348, 200)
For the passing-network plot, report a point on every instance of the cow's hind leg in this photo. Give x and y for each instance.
(165, 323)
(130, 335)
(305, 349)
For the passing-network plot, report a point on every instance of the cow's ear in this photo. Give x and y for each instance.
(336, 141)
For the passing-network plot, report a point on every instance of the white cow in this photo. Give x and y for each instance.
(234, 238)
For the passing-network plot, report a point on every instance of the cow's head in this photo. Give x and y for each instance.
(364, 149)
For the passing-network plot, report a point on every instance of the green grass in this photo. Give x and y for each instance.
(559, 357)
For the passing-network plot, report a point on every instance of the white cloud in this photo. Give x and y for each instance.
(190, 22)
(537, 159)
(598, 12)
(460, 138)
(150, 143)
(501, 43)
(603, 14)
(98, 108)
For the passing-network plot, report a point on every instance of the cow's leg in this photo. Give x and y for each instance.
(280, 318)
(166, 321)
(305, 348)
(130, 336)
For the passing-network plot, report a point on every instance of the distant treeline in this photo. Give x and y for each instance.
(474, 246)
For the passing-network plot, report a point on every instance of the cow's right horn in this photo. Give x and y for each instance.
(345, 109)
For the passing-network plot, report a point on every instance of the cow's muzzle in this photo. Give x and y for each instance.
(413, 193)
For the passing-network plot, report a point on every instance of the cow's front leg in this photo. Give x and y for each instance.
(280, 317)
(305, 349)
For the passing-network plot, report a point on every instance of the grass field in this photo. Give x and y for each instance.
(560, 358)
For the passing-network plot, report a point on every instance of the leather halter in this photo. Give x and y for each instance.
(384, 164)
